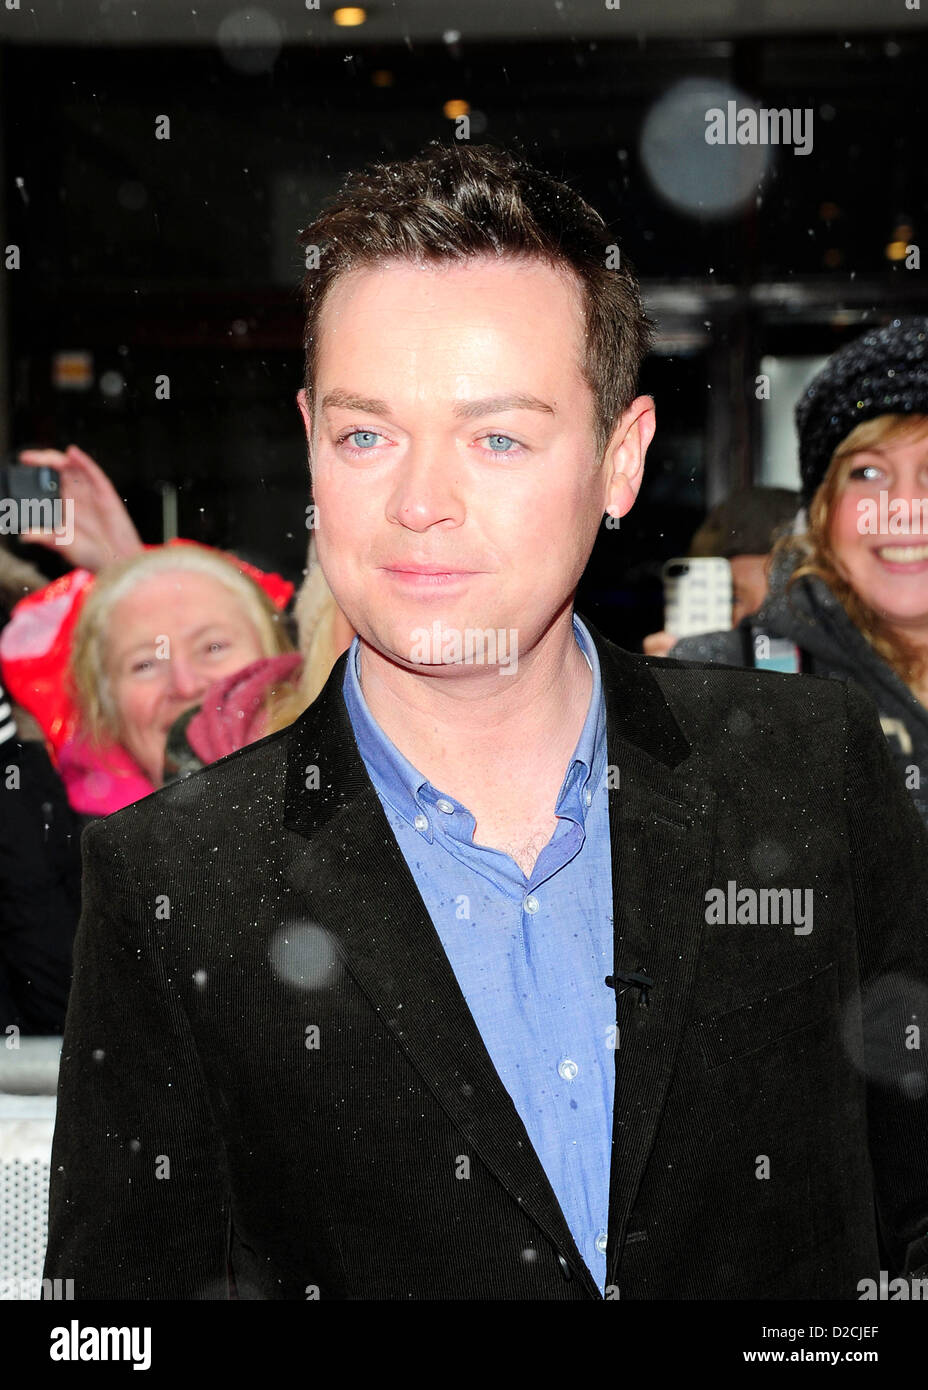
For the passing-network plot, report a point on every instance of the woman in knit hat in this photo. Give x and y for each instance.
(849, 593)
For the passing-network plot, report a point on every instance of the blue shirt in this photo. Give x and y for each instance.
(530, 955)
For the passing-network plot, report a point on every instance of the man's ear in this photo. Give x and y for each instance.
(625, 455)
(305, 412)
(303, 404)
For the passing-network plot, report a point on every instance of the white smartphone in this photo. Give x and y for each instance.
(697, 595)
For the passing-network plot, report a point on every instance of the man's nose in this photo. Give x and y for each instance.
(426, 491)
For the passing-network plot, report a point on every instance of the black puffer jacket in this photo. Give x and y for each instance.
(810, 615)
(40, 856)
(40, 886)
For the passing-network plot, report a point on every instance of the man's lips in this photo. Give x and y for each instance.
(410, 567)
(412, 576)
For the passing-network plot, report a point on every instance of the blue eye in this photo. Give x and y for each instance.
(367, 435)
(867, 471)
(504, 437)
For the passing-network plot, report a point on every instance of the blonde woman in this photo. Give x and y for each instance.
(262, 698)
(155, 633)
(849, 593)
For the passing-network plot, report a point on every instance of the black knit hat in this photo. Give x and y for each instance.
(883, 373)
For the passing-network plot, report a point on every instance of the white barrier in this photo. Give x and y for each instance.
(28, 1081)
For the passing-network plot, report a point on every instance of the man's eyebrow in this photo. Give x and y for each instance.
(344, 400)
(464, 410)
(490, 405)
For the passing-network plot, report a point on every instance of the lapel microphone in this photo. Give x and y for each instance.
(638, 978)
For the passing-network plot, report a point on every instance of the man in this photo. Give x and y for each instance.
(431, 995)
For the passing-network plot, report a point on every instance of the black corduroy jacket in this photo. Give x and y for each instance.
(270, 1076)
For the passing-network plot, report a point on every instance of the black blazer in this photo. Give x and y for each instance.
(270, 1077)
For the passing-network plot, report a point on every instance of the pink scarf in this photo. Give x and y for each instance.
(231, 714)
(101, 781)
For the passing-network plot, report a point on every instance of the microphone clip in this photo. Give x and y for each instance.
(638, 979)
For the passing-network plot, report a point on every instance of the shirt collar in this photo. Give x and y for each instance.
(413, 797)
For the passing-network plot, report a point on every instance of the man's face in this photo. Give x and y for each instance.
(453, 432)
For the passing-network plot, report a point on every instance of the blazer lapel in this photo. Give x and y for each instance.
(348, 868)
(351, 873)
(662, 828)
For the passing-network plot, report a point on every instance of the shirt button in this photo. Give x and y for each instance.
(445, 806)
(531, 904)
(567, 1069)
(602, 1240)
(421, 822)
(587, 797)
